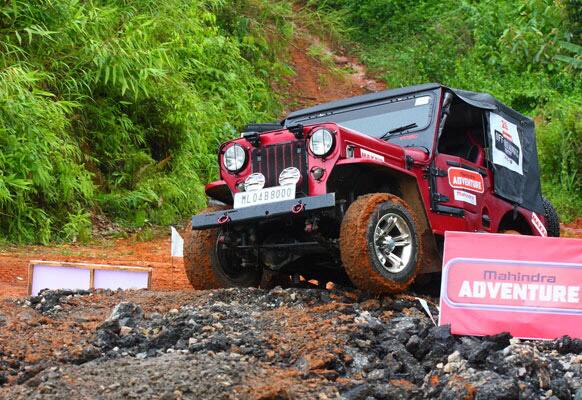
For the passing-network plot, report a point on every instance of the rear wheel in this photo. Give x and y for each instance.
(552, 219)
(210, 265)
(379, 243)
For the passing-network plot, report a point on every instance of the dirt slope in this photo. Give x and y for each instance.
(322, 74)
(320, 77)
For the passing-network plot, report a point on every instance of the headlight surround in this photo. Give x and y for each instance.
(321, 142)
(234, 158)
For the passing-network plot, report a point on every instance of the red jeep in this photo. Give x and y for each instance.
(363, 190)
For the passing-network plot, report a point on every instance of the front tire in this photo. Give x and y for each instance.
(380, 244)
(209, 265)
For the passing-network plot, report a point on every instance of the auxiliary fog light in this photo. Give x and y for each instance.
(289, 176)
(317, 173)
(240, 186)
(254, 182)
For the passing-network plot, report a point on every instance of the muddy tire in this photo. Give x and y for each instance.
(552, 219)
(380, 244)
(210, 267)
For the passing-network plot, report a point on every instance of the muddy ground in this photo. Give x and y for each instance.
(256, 344)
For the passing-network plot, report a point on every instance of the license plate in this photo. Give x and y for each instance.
(263, 196)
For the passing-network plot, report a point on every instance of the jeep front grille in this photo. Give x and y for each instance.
(271, 160)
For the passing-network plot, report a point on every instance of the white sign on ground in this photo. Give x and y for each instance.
(177, 244)
(65, 275)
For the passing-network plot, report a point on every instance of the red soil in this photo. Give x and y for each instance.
(318, 81)
(168, 272)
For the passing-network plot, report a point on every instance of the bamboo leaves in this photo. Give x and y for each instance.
(118, 106)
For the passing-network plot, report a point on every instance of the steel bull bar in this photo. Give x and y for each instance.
(263, 211)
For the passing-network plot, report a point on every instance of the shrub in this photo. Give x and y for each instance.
(526, 53)
(117, 107)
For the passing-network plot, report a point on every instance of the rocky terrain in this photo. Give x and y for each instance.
(256, 344)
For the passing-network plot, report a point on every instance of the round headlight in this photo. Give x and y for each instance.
(234, 158)
(321, 142)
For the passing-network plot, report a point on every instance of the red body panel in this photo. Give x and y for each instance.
(369, 150)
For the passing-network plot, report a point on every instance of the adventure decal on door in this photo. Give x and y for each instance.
(460, 178)
(506, 146)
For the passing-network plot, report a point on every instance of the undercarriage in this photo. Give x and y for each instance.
(305, 244)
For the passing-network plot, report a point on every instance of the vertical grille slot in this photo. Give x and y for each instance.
(271, 160)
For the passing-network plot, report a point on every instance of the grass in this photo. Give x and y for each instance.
(526, 53)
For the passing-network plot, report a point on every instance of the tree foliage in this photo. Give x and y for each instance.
(117, 106)
(527, 53)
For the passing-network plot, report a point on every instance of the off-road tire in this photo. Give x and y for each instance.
(357, 247)
(202, 263)
(552, 219)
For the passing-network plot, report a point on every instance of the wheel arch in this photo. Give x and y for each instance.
(515, 221)
(365, 175)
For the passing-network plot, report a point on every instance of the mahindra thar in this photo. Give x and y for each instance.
(362, 190)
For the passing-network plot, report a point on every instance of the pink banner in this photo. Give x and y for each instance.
(526, 285)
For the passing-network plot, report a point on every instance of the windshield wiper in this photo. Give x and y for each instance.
(398, 130)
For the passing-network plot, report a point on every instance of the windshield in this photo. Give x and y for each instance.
(402, 121)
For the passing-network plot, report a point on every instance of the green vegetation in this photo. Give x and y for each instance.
(527, 53)
(116, 107)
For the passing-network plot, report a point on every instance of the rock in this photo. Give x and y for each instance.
(478, 354)
(397, 390)
(107, 333)
(377, 374)
(436, 345)
(358, 348)
(455, 363)
(490, 385)
(127, 314)
(367, 320)
(125, 330)
(457, 387)
(413, 344)
(370, 304)
(401, 304)
(359, 392)
(48, 301)
(560, 388)
(501, 340)
(566, 345)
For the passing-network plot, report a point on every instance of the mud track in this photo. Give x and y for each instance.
(258, 344)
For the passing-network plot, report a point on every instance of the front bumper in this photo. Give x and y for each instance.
(263, 211)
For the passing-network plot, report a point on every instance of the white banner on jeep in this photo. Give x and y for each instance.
(506, 146)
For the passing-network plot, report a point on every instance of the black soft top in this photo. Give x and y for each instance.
(480, 100)
(522, 189)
